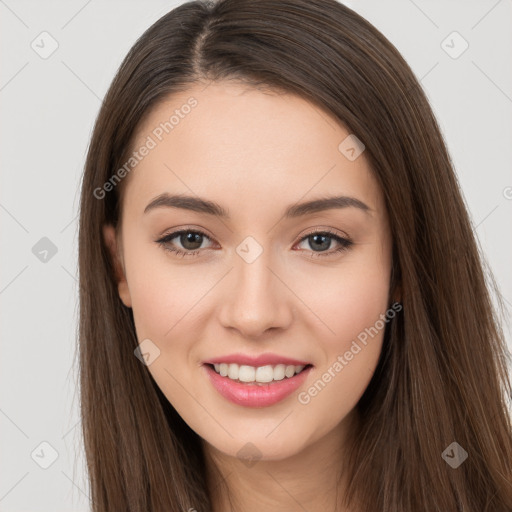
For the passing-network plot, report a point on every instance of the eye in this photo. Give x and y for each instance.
(322, 240)
(191, 241)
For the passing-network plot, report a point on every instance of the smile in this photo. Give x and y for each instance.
(256, 386)
(260, 374)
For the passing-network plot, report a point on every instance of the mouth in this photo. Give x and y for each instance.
(257, 375)
(256, 386)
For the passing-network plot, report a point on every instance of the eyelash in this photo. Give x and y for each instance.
(345, 243)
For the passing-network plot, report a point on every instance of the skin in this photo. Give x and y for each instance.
(255, 153)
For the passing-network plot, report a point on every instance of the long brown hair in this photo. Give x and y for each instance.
(442, 375)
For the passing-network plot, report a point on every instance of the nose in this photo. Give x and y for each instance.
(256, 298)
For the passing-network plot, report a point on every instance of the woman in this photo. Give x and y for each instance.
(283, 306)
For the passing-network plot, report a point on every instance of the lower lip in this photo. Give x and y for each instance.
(256, 395)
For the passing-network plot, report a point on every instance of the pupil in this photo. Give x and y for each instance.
(195, 239)
(325, 244)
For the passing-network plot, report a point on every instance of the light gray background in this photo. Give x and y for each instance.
(48, 109)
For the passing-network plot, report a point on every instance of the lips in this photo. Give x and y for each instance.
(261, 360)
(256, 394)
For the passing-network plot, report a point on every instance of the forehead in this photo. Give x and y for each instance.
(228, 139)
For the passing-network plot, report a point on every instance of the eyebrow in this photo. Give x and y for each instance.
(200, 205)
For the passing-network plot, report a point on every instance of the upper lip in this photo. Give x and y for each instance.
(261, 360)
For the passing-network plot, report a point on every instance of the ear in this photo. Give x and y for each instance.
(109, 235)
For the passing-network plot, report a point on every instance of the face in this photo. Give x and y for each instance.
(252, 278)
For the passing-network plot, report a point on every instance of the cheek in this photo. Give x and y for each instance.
(354, 307)
(159, 294)
(350, 299)
(163, 294)
(157, 304)
(165, 304)
(362, 299)
(350, 356)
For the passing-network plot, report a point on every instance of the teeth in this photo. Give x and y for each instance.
(264, 374)
(279, 372)
(246, 373)
(233, 370)
(261, 374)
(289, 371)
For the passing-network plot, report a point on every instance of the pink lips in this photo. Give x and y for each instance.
(261, 360)
(254, 394)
